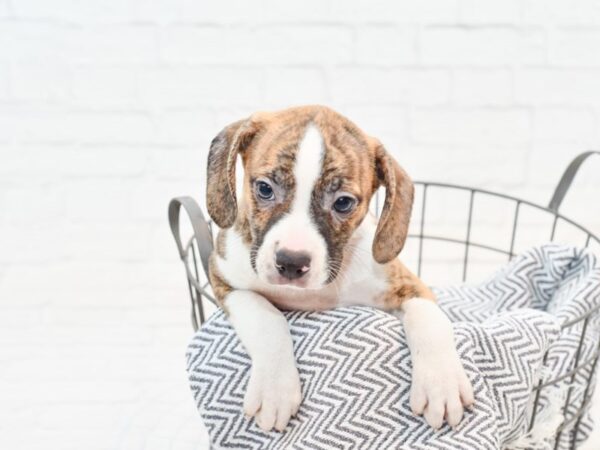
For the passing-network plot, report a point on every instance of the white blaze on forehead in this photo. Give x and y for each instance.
(297, 231)
(307, 168)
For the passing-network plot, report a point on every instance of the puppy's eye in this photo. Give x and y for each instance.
(264, 191)
(344, 204)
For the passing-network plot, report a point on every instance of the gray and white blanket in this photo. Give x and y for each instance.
(355, 366)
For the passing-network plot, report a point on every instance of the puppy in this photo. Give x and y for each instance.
(301, 238)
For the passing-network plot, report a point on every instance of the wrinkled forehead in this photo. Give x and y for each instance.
(342, 151)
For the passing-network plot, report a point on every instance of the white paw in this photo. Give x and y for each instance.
(273, 395)
(440, 389)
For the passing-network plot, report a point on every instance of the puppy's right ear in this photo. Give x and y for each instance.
(220, 190)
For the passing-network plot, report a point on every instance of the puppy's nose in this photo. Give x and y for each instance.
(292, 264)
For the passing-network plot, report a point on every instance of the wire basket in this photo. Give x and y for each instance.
(195, 251)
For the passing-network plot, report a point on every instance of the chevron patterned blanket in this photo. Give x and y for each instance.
(355, 366)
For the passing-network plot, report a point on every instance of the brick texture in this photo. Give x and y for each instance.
(107, 109)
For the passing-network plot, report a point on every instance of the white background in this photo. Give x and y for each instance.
(107, 109)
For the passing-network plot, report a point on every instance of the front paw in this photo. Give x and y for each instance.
(273, 395)
(440, 389)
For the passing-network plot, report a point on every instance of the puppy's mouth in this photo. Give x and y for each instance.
(278, 280)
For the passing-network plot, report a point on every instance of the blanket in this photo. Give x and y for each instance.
(355, 366)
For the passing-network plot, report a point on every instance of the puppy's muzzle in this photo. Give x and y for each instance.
(292, 264)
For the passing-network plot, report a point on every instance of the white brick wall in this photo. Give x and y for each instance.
(107, 108)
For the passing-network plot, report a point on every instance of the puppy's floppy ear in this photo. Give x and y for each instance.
(393, 222)
(221, 198)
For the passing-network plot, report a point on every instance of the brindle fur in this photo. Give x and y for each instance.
(353, 162)
(220, 247)
(403, 286)
(395, 215)
(219, 286)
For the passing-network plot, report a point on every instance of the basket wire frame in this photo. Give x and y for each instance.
(196, 253)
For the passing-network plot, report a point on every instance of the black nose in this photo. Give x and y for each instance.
(291, 264)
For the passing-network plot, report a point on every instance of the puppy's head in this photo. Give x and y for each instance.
(309, 176)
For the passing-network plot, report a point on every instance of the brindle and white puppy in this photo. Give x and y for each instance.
(301, 238)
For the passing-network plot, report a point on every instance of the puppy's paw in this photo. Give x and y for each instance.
(440, 389)
(273, 395)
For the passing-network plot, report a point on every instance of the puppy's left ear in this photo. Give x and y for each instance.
(399, 192)
(221, 198)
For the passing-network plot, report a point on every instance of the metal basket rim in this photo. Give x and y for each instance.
(552, 211)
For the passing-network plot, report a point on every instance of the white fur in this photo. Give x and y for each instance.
(363, 278)
(440, 386)
(235, 267)
(273, 394)
(297, 231)
(307, 169)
